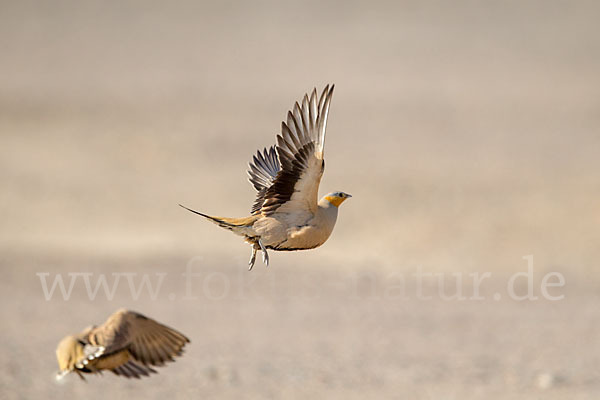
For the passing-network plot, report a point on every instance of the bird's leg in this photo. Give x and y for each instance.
(264, 253)
(253, 257)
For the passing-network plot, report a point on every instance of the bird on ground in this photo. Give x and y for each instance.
(287, 214)
(128, 344)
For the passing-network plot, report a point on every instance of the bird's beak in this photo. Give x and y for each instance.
(349, 195)
(61, 374)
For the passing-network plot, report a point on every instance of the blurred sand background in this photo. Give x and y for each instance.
(468, 133)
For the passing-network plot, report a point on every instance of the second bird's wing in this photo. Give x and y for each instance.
(287, 176)
(148, 341)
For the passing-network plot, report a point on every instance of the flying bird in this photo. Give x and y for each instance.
(287, 213)
(128, 344)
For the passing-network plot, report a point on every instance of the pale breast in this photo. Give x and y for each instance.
(307, 237)
(296, 232)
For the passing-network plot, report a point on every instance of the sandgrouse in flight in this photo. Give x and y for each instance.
(287, 214)
(128, 344)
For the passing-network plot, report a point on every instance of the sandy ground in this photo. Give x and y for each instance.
(468, 133)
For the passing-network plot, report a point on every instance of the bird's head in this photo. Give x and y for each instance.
(68, 353)
(336, 198)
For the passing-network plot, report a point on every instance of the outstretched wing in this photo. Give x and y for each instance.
(295, 186)
(149, 342)
(131, 369)
(263, 170)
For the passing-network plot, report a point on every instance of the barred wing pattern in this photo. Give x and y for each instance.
(262, 172)
(149, 342)
(288, 180)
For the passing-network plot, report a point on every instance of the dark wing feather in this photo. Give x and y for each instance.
(148, 341)
(133, 370)
(300, 150)
(263, 170)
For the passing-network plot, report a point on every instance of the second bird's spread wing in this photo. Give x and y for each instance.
(148, 341)
(287, 176)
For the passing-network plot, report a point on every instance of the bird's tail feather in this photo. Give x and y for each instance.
(236, 225)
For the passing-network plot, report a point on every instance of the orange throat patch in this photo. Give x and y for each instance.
(336, 201)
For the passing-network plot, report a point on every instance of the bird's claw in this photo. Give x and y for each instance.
(252, 259)
(265, 255)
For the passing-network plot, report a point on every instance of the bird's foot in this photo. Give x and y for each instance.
(265, 255)
(252, 258)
